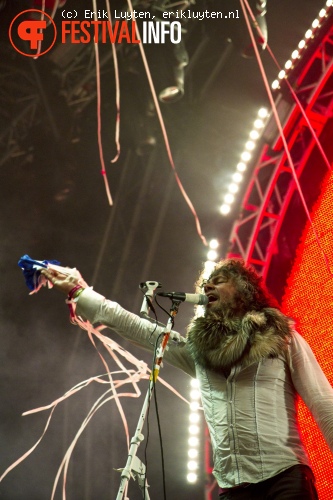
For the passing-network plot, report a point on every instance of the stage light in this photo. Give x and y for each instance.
(194, 405)
(225, 209)
(195, 383)
(308, 34)
(302, 44)
(175, 91)
(229, 198)
(263, 112)
(171, 94)
(193, 429)
(194, 418)
(250, 145)
(258, 123)
(213, 244)
(209, 267)
(195, 394)
(193, 441)
(295, 54)
(192, 465)
(192, 453)
(315, 23)
(237, 177)
(241, 166)
(329, 3)
(275, 85)
(288, 64)
(282, 74)
(245, 156)
(233, 188)
(211, 255)
(322, 13)
(192, 477)
(254, 134)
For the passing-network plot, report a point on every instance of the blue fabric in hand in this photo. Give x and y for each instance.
(32, 271)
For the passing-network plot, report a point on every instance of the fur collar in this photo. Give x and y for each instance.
(220, 344)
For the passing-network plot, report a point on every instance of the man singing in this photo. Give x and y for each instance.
(252, 366)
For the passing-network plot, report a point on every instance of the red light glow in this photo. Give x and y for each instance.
(309, 299)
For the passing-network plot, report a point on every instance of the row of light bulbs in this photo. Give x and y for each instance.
(245, 158)
(194, 431)
(194, 415)
(297, 53)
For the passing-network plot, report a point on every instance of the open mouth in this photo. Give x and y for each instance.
(211, 299)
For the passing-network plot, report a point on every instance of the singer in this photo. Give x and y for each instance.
(252, 365)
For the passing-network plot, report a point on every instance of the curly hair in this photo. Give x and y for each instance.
(249, 285)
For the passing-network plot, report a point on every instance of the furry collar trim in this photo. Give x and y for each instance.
(219, 344)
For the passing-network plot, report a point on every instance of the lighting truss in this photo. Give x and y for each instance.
(254, 234)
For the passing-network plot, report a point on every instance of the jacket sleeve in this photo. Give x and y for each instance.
(95, 308)
(312, 385)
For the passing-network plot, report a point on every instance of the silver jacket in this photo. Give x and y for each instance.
(251, 415)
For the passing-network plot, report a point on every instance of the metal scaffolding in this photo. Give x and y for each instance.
(271, 186)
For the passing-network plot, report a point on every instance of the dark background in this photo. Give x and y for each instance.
(53, 206)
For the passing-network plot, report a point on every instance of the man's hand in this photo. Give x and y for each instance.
(64, 282)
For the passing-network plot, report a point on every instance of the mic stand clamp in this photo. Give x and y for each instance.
(134, 467)
(148, 287)
(139, 472)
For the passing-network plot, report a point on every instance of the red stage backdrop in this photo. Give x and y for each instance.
(309, 299)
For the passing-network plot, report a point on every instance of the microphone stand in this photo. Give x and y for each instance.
(134, 467)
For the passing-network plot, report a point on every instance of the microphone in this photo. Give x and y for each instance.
(194, 298)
